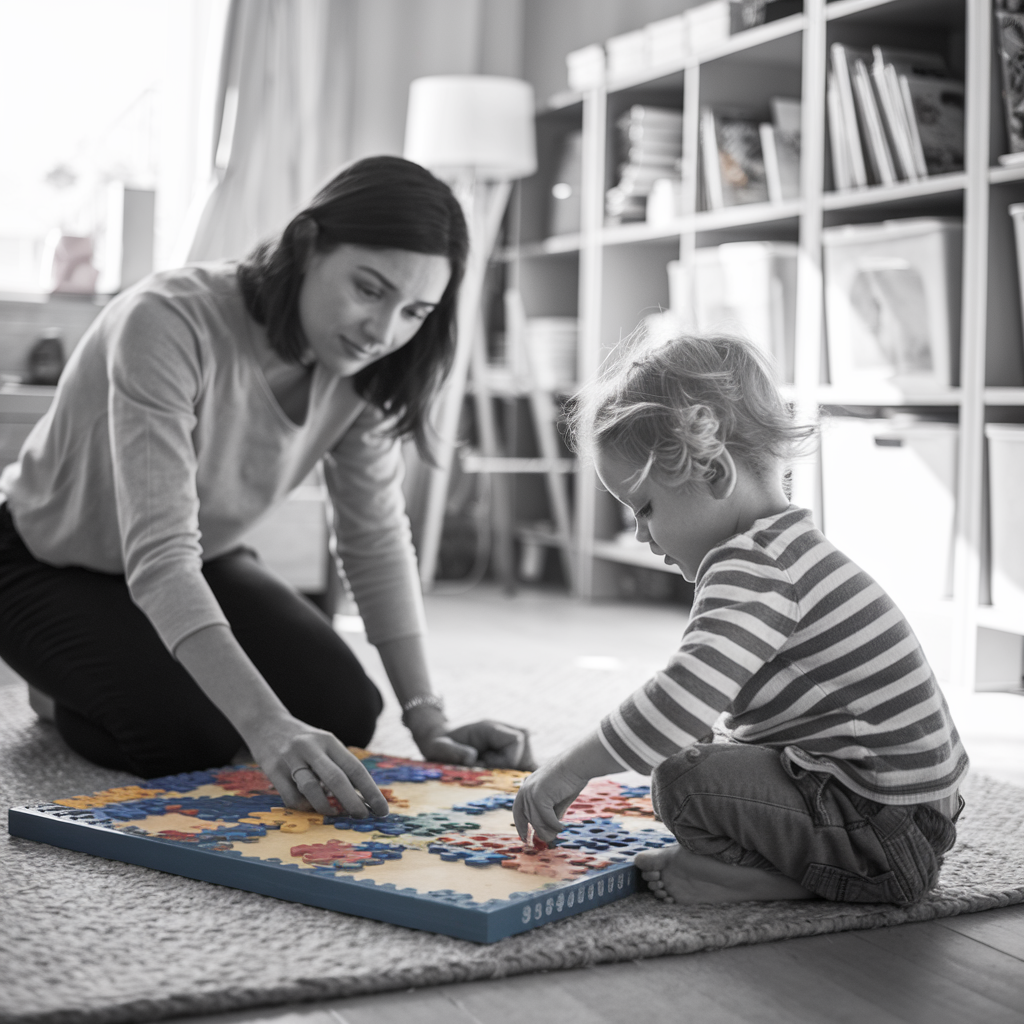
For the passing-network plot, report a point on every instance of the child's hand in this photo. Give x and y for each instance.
(545, 796)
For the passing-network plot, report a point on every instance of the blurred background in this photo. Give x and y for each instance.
(797, 172)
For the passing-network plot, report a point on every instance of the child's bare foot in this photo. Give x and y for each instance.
(678, 876)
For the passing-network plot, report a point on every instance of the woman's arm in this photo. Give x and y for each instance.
(364, 474)
(281, 743)
(500, 746)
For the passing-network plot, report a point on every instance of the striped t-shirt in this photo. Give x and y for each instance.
(802, 651)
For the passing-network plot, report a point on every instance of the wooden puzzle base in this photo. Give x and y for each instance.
(447, 859)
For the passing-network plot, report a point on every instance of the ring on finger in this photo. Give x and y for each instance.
(303, 768)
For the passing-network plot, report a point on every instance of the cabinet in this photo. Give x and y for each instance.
(619, 270)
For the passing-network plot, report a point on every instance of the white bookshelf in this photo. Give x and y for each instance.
(619, 271)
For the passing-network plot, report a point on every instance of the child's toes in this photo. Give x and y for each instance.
(650, 876)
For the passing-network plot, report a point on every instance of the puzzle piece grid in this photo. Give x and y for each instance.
(230, 812)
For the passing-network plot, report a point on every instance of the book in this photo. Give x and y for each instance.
(772, 172)
(1010, 43)
(894, 115)
(935, 109)
(915, 135)
(732, 158)
(714, 198)
(879, 156)
(841, 58)
(889, 64)
(912, 62)
(780, 149)
(647, 157)
(842, 175)
(663, 118)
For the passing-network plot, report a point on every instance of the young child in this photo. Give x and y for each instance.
(841, 772)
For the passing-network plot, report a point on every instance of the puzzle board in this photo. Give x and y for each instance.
(446, 859)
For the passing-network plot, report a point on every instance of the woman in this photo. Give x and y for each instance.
(196, 402)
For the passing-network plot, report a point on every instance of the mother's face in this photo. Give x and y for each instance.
(357, 304)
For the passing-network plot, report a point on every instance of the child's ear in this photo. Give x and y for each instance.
(723, 475)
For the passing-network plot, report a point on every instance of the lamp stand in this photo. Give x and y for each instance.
(483, 203)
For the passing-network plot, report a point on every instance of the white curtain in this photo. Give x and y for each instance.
(307, 84)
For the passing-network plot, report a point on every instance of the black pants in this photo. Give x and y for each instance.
(122, 699)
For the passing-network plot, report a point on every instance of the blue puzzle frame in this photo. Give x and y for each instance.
(101, 825)
(465, 919)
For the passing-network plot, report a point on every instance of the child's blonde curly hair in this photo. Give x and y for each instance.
(670, 408)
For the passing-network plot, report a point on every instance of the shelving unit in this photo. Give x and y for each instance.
(619, 270)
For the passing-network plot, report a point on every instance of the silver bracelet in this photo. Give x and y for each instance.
(423, 700)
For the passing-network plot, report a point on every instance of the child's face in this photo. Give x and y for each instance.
(681, 523)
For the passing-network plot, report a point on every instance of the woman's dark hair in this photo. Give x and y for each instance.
(383, 202)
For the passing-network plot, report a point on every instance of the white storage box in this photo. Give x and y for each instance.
(892, 303)
(586, 67)
(747, 288)
(668, 41)
(627, 55)
(551, 350)
(1006, 513)
(889, 490)
(708, 26)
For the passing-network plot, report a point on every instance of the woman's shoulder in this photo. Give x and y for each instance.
(196, 288)
(199, 303)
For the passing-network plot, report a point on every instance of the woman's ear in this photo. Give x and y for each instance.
(722, 475)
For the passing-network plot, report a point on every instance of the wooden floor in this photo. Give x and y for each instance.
(964, 970)
(961, 970)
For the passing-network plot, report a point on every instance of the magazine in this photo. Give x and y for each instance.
(1010, 42)
(732, 159)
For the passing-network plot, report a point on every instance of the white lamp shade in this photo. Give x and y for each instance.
(478, 123)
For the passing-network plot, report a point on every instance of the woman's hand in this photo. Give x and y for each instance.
(489, 743)
(493, 744)
(307, 764)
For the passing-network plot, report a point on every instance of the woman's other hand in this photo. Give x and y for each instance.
(306, 764)
(489, 743)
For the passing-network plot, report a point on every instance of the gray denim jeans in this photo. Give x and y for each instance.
(749, 805)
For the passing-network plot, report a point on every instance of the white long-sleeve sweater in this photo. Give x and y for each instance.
(164, 444)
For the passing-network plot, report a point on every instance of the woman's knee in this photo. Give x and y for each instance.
(165, 745)
(353, 712)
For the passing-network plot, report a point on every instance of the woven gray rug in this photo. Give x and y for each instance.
(88, 940)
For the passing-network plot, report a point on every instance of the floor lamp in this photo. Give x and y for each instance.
(477, 133)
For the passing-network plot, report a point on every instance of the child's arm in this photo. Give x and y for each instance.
(545, 795)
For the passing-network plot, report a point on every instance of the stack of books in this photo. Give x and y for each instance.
(650, 141)
(893, 115)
